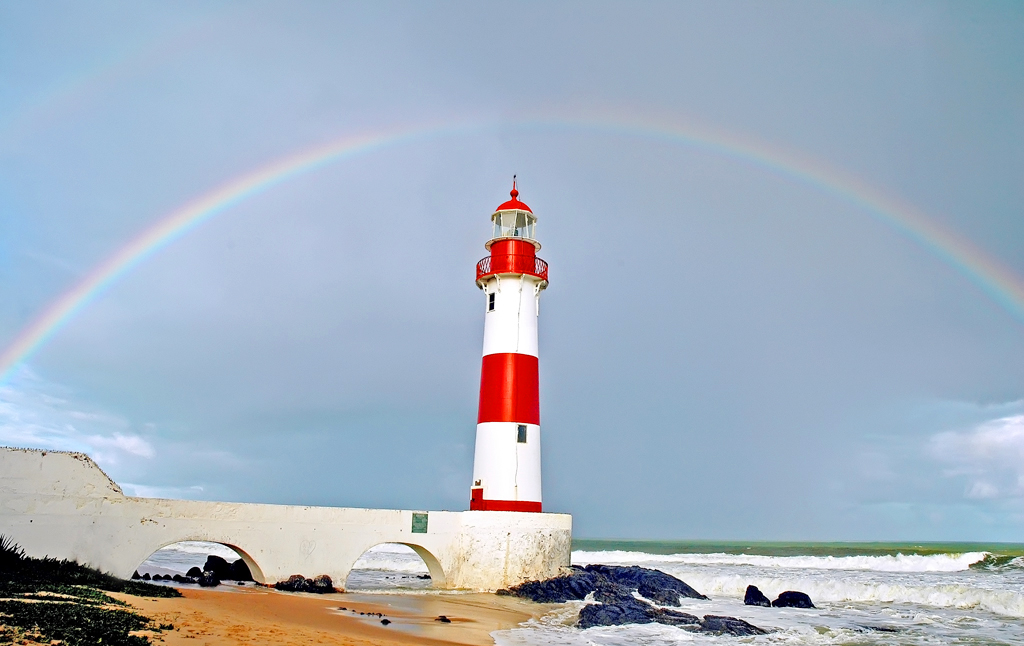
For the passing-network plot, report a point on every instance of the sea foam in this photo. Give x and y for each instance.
(391, 557)
(881, 563)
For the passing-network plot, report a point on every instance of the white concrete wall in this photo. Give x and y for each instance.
(62, 505)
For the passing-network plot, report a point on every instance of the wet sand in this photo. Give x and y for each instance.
(252, 615)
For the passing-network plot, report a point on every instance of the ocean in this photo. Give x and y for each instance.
(865, 593)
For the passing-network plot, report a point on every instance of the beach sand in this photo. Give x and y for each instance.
(254, 615)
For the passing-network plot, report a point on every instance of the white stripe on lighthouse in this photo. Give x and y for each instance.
(512, 325)
(508, 469)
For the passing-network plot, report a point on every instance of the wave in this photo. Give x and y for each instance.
(1000, 562)
(177, 558)
(391, 557)
(836, 590)
(200, 547)
(882, 563)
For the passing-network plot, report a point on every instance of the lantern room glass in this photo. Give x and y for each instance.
(514, 224)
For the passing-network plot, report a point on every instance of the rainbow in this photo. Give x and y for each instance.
(998, 282)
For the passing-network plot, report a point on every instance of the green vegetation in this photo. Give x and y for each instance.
(48, 599)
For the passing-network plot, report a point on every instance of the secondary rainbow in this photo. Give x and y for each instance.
(998, 282)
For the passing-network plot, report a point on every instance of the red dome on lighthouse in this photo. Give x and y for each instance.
(514, 203)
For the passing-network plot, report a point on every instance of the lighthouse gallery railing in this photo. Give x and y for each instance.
(512, 264)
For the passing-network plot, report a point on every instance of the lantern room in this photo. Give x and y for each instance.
(513, 220)
(513, 224)
(512, 245)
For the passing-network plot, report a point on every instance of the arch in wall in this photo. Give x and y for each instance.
(437, 575)
(254, 568)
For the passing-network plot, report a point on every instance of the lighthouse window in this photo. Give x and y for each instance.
(522, 434)
(490, 302)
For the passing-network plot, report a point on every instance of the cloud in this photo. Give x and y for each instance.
(42, 414)
(130, 444)
(990, 456)
(35, 413)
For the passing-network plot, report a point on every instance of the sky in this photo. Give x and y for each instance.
(786, 244)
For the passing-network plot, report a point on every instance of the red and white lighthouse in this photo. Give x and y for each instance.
(506, 465)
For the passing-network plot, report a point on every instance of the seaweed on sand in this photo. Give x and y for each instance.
(49, 599)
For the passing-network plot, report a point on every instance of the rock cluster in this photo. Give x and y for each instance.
(577, 582)
(613, 589)
(298, 583)
(177, 578)
(215, 570)
(236, 570)
(788, 599)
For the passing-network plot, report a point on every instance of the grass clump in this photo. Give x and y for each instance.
(47, 599)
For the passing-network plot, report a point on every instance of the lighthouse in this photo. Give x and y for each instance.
(506, 463)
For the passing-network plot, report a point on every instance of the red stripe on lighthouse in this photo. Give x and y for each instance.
(509, 389)
(478, 504)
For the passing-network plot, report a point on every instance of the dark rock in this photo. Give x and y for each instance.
(146, 577)
(881, 629)
(194, 572)
(655, 582)
(792, 599)
(424, 576)
(178, 578)
(660, 596)
(295, 583)
(577, 583)
(630, 610)
(675, 618)
(239, 571)
(218, 566)
(613, 614)
(209, 580)
(635, 611)
(755, 597)
(135, 575)
(443, 619)
(718, 625)
(613, 589)
(574, 585)
(613, 593)
(298, 583)
(385, 621)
